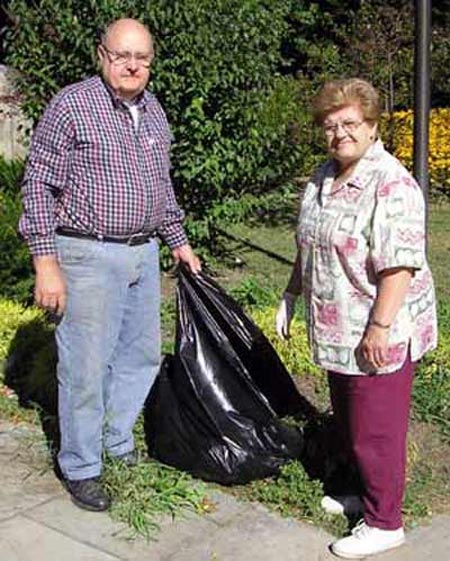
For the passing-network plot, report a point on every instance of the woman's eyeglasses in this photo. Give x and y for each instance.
(348, 126)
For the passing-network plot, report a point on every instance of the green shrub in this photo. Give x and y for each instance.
(295, 352)
(11, 172)
(27, 354)
(251, 295)
(431, 389)
(16, 275)
(12, 317)
(236, 120)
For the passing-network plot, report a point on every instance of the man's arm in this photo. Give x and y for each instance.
(171, 230)
(45, 177)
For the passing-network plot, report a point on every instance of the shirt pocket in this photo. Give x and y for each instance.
(156, 150)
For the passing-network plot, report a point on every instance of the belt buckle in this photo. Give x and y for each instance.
(135, 239)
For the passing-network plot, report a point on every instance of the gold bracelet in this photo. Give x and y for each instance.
(379, 324)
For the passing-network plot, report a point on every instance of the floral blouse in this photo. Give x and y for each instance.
(373, 221)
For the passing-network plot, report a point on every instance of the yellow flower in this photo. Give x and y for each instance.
(402, 123)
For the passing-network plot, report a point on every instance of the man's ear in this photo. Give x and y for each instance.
(100, 53)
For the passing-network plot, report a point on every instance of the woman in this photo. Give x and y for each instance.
(362, 269)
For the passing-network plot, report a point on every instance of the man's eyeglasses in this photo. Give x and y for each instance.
(348, 126)
(120, 58)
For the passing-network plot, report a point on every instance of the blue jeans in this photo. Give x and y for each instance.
(108, 348)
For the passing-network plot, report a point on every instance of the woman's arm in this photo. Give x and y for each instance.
(286, 308)
(295, 281)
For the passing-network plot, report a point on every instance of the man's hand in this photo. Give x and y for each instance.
(50, 287)
(184, 254)
(285, 313)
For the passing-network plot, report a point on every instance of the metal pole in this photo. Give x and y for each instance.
(422, 93)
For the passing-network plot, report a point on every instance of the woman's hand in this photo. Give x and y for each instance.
(392, 287)
(374, 345)
(285, 313)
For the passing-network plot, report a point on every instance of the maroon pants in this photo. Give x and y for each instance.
(372, 416)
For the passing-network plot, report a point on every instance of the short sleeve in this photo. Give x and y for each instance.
(398, 226)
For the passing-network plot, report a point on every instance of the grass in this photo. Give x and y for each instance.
(431, 399)
(256, 279)
(293, 494)
(273, 275)
(439, 248)
(145, 493)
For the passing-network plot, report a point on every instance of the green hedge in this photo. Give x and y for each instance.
(16, 275)
(236, 121)
(27, 354)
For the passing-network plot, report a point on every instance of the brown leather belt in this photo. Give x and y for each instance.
(133, 239)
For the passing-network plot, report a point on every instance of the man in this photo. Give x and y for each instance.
(96, 192)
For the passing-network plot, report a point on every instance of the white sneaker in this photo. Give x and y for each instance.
(366, 540)
(350, 505)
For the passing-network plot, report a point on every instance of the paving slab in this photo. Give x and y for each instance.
(38, 522)
(258, 535)
(99, 530)
(23, 485)
(22, 539)
(430, 542)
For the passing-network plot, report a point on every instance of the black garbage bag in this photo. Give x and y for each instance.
(213, 410)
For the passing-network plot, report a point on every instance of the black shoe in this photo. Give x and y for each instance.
(88, 494)
(130, 459)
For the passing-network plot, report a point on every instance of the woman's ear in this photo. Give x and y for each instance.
(374, 133)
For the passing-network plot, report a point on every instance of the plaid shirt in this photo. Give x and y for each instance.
(91, 170)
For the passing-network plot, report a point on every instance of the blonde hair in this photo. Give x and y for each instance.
(336, 94)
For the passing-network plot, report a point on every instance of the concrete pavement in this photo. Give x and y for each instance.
(38, 522)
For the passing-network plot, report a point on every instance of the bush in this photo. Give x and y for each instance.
(16, 275)
(400, 129)
(28, 354)
(431, 389)
(235, 120)
(13, 316)
(11, 172)
(294, 353)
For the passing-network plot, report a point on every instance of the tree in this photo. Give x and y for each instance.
(380, 48)
(313, 44)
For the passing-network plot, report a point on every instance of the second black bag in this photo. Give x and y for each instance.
(214, 408)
